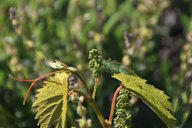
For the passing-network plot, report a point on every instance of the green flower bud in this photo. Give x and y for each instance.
(95, 61)
(81, 110)
(123, 117)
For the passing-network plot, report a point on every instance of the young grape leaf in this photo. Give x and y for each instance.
(156, 99)
(51, 102)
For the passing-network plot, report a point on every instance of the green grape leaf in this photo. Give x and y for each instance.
(156, 99)
(51, 102)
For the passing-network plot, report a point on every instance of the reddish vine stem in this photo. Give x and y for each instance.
(33, 82)
(113, 103)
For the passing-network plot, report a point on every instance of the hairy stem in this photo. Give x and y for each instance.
(95, 88)
(93, 103)
(83, 82)
(99, 115)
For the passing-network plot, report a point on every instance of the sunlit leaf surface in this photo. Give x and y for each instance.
(156, 99)
(51, 102)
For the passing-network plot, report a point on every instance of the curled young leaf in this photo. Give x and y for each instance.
(59, 65)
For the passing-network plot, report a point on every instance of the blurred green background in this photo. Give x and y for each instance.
(153, 37)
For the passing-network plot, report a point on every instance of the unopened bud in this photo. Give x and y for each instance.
(81, 110)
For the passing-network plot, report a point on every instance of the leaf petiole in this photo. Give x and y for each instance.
(33, 82)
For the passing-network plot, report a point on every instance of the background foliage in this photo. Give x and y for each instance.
(160, 50)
